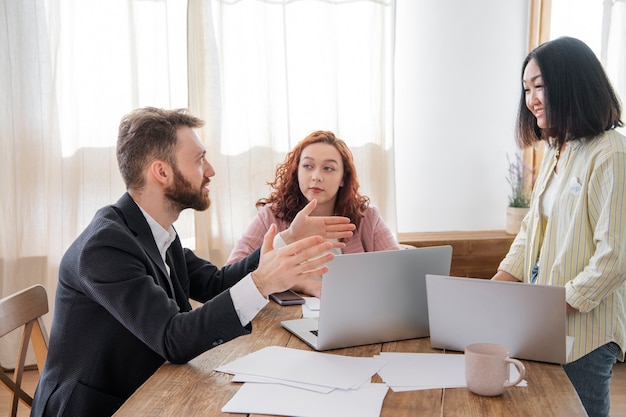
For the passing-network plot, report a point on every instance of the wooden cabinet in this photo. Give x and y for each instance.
(475, 254)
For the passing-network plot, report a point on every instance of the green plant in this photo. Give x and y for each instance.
(518, 172)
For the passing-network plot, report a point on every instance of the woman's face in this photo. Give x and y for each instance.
(533, 90)
(320, 174)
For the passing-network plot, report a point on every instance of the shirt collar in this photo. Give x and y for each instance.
(163, 238)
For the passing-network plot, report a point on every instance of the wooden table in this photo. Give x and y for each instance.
(195, 389)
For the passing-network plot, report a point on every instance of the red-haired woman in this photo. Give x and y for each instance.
(321, 168)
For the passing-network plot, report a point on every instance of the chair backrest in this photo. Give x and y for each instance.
(24, 309)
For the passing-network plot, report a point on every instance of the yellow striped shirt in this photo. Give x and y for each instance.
(582, 246)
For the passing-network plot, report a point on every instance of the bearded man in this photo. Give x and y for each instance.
(122, 303)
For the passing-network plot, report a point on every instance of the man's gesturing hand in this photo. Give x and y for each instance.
(280, 269)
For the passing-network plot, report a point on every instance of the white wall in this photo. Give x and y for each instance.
(457, 87)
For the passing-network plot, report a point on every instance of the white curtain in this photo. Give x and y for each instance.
(613, 47)
(69, 71)
(30, 172)
(601, 24)
(266, 73)
(263, 74)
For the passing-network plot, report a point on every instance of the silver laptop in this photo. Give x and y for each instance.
(529, 319)
(373, 297)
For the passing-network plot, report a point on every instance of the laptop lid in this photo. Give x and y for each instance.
(529, 319)
(373, 297)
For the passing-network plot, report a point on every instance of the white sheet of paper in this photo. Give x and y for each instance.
(414, 371)
(266, 380)
(366, 401)
(423, 369)
(311, 307)
(312, 303)
(316, 368)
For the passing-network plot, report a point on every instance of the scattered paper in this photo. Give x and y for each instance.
(311, 307)
(367, 401)
(301, 366)
(266, 380)
(417, 371)
(299, 383)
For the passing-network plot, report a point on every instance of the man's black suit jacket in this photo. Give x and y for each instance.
(115, 321)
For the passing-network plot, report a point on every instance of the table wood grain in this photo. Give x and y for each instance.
(195, 389)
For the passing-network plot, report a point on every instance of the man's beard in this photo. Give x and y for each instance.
(182, 195)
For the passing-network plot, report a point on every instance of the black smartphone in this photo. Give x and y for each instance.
(287, 298)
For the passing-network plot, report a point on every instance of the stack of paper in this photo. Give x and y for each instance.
(300, 383)
(311, 307)
(417, 371)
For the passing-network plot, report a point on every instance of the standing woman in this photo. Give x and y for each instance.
(575, 232)
(321, 168)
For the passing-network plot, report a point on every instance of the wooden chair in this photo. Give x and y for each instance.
(24, 309)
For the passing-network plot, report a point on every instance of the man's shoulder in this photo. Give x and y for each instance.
(106, 226)
(109, 223)
(108, 217)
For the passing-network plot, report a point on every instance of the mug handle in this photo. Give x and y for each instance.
(520, 368)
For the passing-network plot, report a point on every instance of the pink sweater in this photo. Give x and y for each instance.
(372, 234)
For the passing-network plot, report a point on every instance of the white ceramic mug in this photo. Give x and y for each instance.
(487, 368)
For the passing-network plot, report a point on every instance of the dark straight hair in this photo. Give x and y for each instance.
(579, 99)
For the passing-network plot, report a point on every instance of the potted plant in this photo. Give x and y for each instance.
(519, 199)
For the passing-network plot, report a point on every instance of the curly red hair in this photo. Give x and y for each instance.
(287, 199)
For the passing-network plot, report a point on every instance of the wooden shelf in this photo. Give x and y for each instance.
(475, 254)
